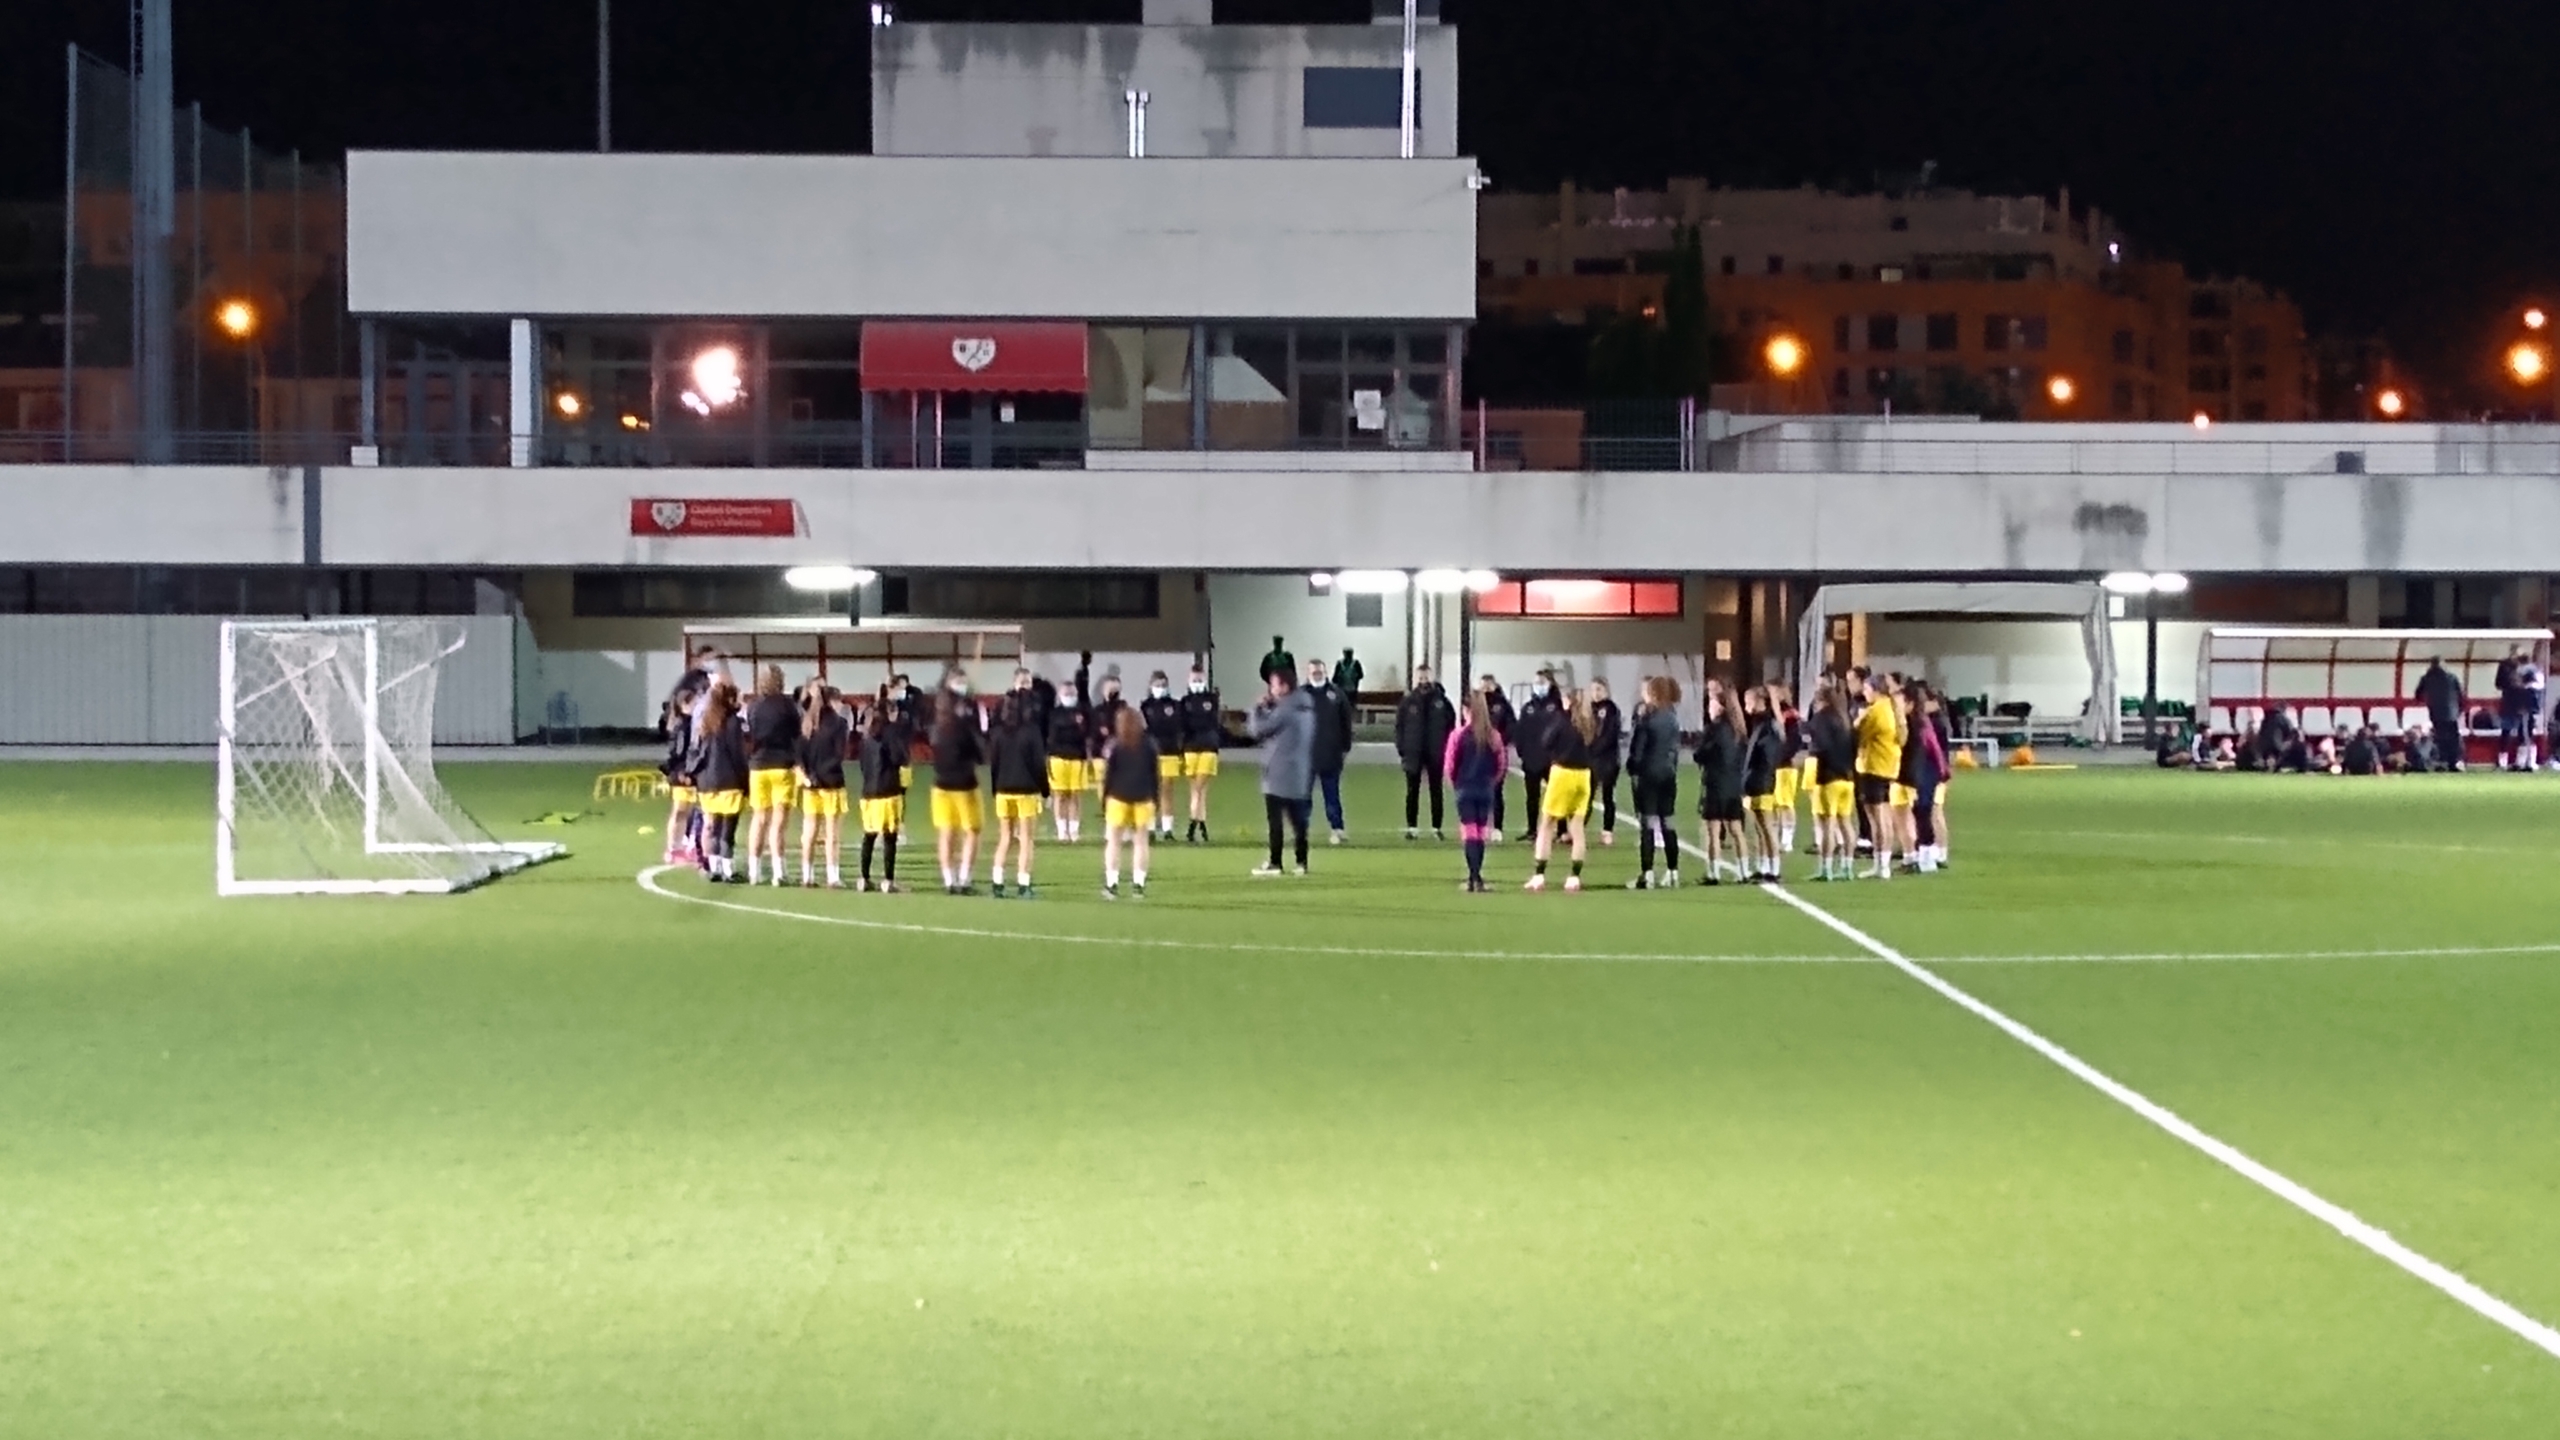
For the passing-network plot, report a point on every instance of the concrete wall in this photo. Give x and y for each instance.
(1963, 446)
(1581, 523)
(861, 235)
(1227, 90)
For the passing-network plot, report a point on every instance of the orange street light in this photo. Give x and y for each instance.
(569, 404)
(1785, 355)
(2528, 362)
(2391, 403)
(2534, 318)
(236, 318)
(2060, 389)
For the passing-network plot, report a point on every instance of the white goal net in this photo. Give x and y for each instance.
(326, 780)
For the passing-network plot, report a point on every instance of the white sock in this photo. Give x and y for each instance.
(806, 874)
(1110, 877)
(1139, 876)
(835, 875)
(755, 869)
(947, 881)
(1024, 877)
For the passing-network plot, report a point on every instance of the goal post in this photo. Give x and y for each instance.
(325, 779)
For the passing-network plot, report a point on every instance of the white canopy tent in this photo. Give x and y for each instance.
(2085, 602)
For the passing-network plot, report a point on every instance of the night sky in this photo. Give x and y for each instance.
(2395, 167)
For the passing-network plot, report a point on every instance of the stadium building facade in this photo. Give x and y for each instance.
(1123, 334)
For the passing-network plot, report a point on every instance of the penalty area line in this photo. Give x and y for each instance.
(2337, 1217)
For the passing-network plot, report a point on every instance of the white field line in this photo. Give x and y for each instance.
(2188, 837)
(648, 880)
(2164, 957)
(2336, 1217)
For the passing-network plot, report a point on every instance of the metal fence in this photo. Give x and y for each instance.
(202, 292)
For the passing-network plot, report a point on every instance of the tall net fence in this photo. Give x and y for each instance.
(326, 781)
(203, 293)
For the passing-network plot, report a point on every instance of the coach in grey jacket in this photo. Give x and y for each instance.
(1285, 724)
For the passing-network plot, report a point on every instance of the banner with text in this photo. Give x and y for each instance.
(690, 519)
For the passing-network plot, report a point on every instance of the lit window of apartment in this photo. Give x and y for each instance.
(1889, 274)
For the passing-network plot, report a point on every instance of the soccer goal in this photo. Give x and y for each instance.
(326, 779)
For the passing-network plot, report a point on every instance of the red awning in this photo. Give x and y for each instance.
(1015, 357)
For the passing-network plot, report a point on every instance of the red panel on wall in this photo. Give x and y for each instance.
(1583, 599)
(1014, 357)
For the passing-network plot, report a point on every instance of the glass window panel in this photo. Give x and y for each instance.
(1427, 347)
(1373, 347)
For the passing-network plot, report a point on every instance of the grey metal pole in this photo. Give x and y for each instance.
(154, 184)
(1411, 80)
(70, 232)
(604, 77)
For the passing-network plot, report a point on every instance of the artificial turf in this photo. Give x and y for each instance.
(1353, 1155)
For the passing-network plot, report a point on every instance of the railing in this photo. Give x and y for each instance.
(1867, 450)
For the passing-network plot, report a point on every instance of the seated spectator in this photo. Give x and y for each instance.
(2363, 753)
(2324, 754)
(2419, 747)
(2278, 745)
(2210, 752)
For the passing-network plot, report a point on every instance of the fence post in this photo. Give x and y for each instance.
(70, 233)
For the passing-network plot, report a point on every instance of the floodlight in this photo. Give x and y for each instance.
(827, 577)
(1371, 582)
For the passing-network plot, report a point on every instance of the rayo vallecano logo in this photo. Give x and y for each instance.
(974, 352)
(667, 514)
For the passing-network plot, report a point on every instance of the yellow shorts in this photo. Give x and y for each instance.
(1018, 807)
(1197, 763)
(884, 814)
(1129, 814)
(1806, 769)
(1784, 798)
(723, 802)
(1568, 794)
(1835, 801)
(1762, 804)
(1066, 775)
(771, 789)
(1168, 767)
(1903, 796)
(684, 794)
(820, 804)
(958, 810)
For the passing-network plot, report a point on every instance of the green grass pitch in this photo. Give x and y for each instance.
(1349, 1156)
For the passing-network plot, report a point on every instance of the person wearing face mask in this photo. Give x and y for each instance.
(1332, 742)
(1530, 737)
(906, 713)
(1070, 733)
(1162, 716)
(1424, 718)
(1202, 735)
(1106, 723)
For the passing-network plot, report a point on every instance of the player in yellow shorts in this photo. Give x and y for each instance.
(1831, 748)
(1202, 731)
(1567, 798)
(1161, 714)
(1792, 771)
(1018, 762)
(825, 736)
(958, 816)
(1130, 773)
(773, 759)
(1070, 762)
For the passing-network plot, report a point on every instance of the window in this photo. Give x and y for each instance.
(2124, 347)
(1727, 267)
(2031, 332)
(1884, 332)
(1880, 382)
(1889, 274)
(2123, 397)
(1848, 272)
(1899, 222)
(1995, 332)
(691, 592)
(1840, 384)
(1652, 262)
(1364, 612)
(2204, 343)
(1577, 599)
(2208, 305)
(1942, 332)
(2208, 378)
(1357, 97)
(1021, 595)
(1602, 265)
(1529, 267)
(2253, 410)
(2253, 372)
(2253, 341)
(1777, 264)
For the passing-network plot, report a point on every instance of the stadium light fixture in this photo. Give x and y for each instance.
(1440, 582)
(1320, 580)
(717, 382)
(2143, 582)
(828, 577)
(1482, 581)
(236, 318)
(1371, 582)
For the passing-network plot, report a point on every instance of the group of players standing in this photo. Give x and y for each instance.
(1871, 755)
(752, 760)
